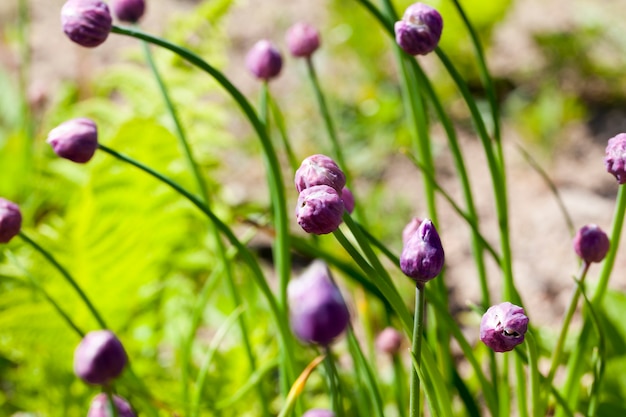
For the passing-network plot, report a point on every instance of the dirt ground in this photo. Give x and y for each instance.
(544, 259)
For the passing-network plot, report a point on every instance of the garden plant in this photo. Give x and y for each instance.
(136, 280)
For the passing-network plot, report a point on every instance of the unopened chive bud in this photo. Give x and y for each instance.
(302, 40)
(419, 31)
(317, 310)
(320, 210)
(410, 229)
(100, 407)
(615, 157)
(591, 243)
(99, 358)
(129, 10)
(503, 327)
(318, 412)
(10, 220)
(319, 170)
(86, 22)
(76, 139)
(422, 256)
(264, 60)
(389, 341)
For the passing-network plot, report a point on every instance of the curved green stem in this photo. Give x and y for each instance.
(416, 349)
(533, 370)
(68, 277)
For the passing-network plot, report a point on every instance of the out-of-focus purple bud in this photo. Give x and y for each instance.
(422, 256)
(99, 357)
(302, 40)
(100, 407)
(264, 60)
(591, 243)
(76, 139)
(320, 210)
(86, 22)
(10, 220)
(389, 341)
(615, 157)
(348, 199)
(317, 311)
(503, 327)
(318, 412)
(410, 229)
(419, 31)
(129, 10)
(319, 170)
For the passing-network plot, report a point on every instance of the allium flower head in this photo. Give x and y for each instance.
(76, 139)
(320, 210)
(389, 341)
(503, 327)
(317, 311)
(129, 10)
(615, 157)
(318, 412)
(591, 243)
(348, 199)
(319, 170)
(100, 407)
(99, 357)
(419, 30)
(86, 22)
(264, 60)
(302, 40)
(10, 220)
(422, 256)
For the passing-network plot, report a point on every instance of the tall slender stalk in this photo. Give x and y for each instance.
(416, 349)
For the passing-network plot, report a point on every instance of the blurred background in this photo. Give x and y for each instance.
(559, 68)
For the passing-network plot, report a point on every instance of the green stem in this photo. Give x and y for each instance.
(520, 388)
(366, 373)
(333, 382)
(533, 370)
(111, 401)
(399, 385)
(68, 277)
(416, 349)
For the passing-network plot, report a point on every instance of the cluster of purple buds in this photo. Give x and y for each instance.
(264, 60)
(302, 40)
(99, 358)
(422, 256)
(129, 10)
(86, 22)
(76, 139)
(318, 412)
(100, 407)
(317, 310)
(615, 157)
(389, 341)
(321, 203)
(503, 327)
(10, 220)
(419, 31)
(591, 243)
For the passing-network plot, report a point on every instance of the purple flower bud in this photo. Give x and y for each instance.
(410, 229)
(100, 407)
(317, 311)
(318, 412)
(10, 220)
(264, 60)
(99, 357)
(389, 341)
(419, 30)
(86, 22)
(129, 10)
(76, 139)
(348, 199)
(320, 210)
(302, 40)
(422, 256)
(615, 157)
(319, 170)
(503, 327)
(591, 243)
